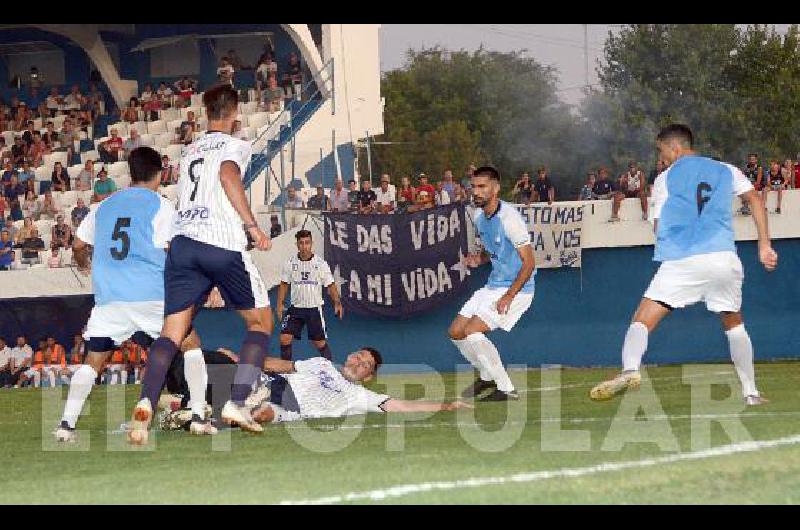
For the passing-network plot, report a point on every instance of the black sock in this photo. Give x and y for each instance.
(251, 360)
(325, 351)
(159, 359)
(286, 352)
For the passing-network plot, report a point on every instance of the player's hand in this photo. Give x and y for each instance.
(458, 405)
(504, 303)
(768, 257)
(261, 241)
(87, 271)
(338, 310)
(472, 260)
(215, 299)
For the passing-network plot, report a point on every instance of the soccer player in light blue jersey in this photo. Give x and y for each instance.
(129, 232)
(508, 293)
(693, 211)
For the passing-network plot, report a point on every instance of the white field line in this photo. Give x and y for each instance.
(537, 476)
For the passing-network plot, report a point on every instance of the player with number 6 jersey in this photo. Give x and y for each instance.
(693, 212)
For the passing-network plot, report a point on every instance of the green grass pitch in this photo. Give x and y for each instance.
(496, 453)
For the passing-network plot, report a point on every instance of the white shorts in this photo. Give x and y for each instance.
(715, 278)
(119, 320)
(483, 305)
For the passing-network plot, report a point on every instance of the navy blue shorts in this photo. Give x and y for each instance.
(193, 268)
(297, 317)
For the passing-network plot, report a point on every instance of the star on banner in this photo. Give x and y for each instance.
(461, 267)
(337, 278)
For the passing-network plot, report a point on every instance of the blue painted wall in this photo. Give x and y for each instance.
(579, 318)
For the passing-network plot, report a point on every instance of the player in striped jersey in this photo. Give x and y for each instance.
(307, 274)
(208, 250)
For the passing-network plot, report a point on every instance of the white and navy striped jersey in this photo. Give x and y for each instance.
(204, 212)
(322, 391)
(307, 278)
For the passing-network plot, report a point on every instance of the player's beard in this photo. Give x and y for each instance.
(480, 202)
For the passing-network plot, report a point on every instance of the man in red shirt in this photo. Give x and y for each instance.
(110, 149)
(797, 173)
(424, 186)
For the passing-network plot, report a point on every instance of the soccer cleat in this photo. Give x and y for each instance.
(257, 397)
(478, 387)
(755, 400)
(618, 385)
(499, 395)
(140, 422)
(235, 415)
(201, 427)
(65, 433)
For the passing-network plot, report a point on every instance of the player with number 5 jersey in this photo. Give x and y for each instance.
(693, 212)
(209, 250)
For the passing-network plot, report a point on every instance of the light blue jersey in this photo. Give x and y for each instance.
(501, 235)
(693, 202)
(129, 231)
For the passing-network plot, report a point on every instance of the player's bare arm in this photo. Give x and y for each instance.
(402, 405)
(283, 288)
(476, 260)
(81, 251)
(231, 179)
(278, 366)
(766, 254)
(333, 292)
(528, 266)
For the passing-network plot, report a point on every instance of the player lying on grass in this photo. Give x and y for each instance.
(315, 388)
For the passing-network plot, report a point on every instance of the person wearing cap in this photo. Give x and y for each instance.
(424, 186)
(386, 199)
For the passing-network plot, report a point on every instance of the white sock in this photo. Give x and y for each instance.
(37, 379)
(136, 375)
(194, 370)
(489, 358)
(51, 376)
(79, 389)
(634, 347)
(742, 356)
(466, 351)
(123, 377)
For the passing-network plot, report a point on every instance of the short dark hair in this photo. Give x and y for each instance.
(144, 163)
(677, 131)
(351, 181)
(376, 356)
(487, 171)
(222, 100)
(301, 234)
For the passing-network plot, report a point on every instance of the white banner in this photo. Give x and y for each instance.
(555, 233)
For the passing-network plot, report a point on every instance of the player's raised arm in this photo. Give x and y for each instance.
(230, 177)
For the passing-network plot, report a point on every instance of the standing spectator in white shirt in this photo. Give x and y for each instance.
(74, 99)
(340, 201)
(386, 196)
(442, 197)
(225, 71)
(53, 102)
(293, 200)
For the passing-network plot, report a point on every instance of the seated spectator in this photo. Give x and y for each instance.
(68, 138)
(185, 133)
(603, 187)
(788, 173)
(30, 208)
(424, 186)
(14, 190)
(386, 198)
(164, 92)
(295, 74)
(20, 235)
(5, 363)
(168, 174)
(236, 130)
(3, 205)
(339, 201)
(54, 261)
(27, 135)
(110, 149)
(76, 357)
(23, 116)
(37, 150)
(586, 193)
(103, 186)
(79, 213)
(49, 208)
(19, 151)
(30, 248)
(523, 190)
(61, 236)
(133, 142)
(20, 362)
(293, 200)
(6, 177)
(266, 69)
(319, 201)
(366, 198)
(147, 93)
(73, 100)
(53, 102)
(84, 180)
(5, 151)
(275, 226)
(406, 196)
(33, 374)
(134, 357)
(272, 96)
(50, 136)
(115, 369)
(775, 181)
(26, 173)
(6, 251)
(442, 197)
(543, 189)
(131, 113)
(631, 186)
(225, 71)
(59, 178)
(152, 104)
(425, 200)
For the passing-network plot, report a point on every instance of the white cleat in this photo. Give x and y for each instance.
(256, 398)
(751, 401)
(615, 386)
(202, 428)
(64, 433)
(140, 422)
(234, 415)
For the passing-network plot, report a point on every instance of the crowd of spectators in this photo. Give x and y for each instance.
(52, 364)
